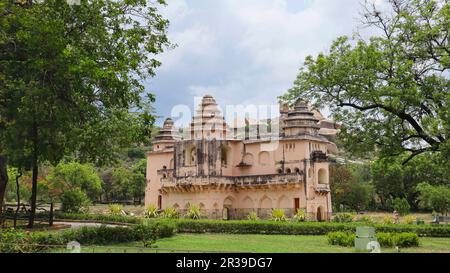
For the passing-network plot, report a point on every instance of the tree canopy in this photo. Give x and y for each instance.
(391, 91)
(71, 79)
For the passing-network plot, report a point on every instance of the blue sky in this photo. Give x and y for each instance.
(243, 52)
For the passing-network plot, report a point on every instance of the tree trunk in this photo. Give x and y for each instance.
(33, 194)
(18, 176)
(3, 179)
(34, 176)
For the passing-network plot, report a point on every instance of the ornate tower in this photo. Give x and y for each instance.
(300, 121)
(166, 137)
(208, 123)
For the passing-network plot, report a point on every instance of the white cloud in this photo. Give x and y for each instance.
(247, 51)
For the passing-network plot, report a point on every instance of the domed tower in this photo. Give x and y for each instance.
(208, 122)
(300, 121)
(166, 137)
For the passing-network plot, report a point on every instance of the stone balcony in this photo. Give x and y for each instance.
(322, 189)
(198, 183)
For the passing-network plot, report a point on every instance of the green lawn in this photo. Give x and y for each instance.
(259, 244)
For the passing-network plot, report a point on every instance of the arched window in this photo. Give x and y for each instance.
(279, 171)
(263, 158)
(322, 176)
(190, 155)
(297, 170)
(288, 170)
(248, 159)
(225, 156)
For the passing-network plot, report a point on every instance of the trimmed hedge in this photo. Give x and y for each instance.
(263, 227)
(403, 239)
(303, 228)
(104, 218)
(13, 241)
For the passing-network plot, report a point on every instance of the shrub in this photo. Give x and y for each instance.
(151, 212)
(278, 215)
(103, 218)
(403, 239)
(401, 205)
(388, 220)
(74, 200)
(252, 216)
(300, 215)
(409, 220)
(171, 213)
(366, 219)
(115, 209)
(100, 235)
(343, 217)
(296, 228)
(149, 231)
(194, 212)
(341, 238)
(13, 241)
(406, 239)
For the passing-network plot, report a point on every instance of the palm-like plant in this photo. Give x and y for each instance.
(171, 213)
(152, 212)
(300, 215)
(252, 216)
(278, 215)
(115, 209)
(194, 212)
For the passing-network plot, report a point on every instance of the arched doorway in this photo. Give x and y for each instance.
(319, 215)
(228, 206)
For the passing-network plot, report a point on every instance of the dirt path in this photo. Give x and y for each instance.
(76, 225)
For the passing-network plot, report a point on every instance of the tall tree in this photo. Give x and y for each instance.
(3, 180)
(71, 79)
(390, 91)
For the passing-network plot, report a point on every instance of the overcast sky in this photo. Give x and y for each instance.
(244, 52)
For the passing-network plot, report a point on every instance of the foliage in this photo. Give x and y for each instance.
(436, 198)
(343, 217)
(388, 220)
(390, 92)
(104, 218)
(350, 186)
(278, 215)
(115, 209)
(401, 206)
(194, 212)
(403, 239)
(359, 196)
(409, 219)
(300, 215)
(392, 179)
(252, 216)
(74, 175)
(74, 200)
(171, 213)
(151, 211)
(81, 94)
(14, 241)
(296, 228)
(127, 183)
(366, 219)
(341, 238)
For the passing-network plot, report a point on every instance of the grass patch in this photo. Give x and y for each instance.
(257, 244)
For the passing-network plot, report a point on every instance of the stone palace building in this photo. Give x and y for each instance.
(229, 176)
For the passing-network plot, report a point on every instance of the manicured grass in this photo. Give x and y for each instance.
(259, 244)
